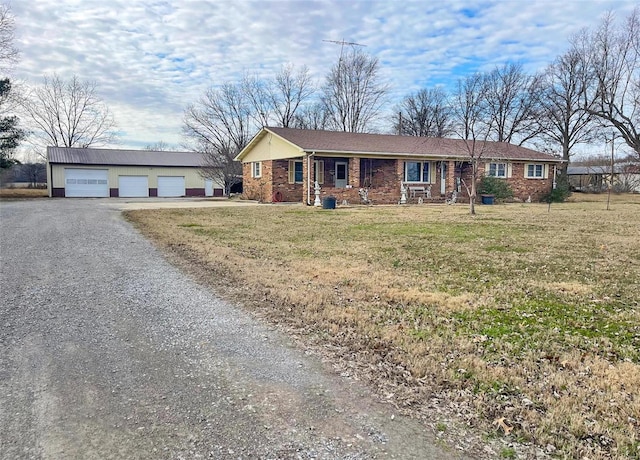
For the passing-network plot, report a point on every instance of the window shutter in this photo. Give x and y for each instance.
(509, 169)
(292, 171)
(546, 171)
(432, 174)
(320, 171)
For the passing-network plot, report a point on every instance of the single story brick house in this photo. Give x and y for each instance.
(282, 164)
(89, 172)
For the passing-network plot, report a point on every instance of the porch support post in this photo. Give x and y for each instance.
(399, 171)
(451, 177)
(402, 197)
(307, 178)
(354, 172)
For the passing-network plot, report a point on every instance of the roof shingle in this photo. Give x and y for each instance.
(381, 144)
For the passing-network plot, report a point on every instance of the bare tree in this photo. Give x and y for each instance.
(8, 52)
(33, 170)
(613, 51)
(425, 113)
(69, 114)
(257, 92)
(276, 101)
(473, 126)
(561, 99)
(289, 92)
(510, 104)
(219, 125)
(312, 117)
(160, 146)
(353, 93)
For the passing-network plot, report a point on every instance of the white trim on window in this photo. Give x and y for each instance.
(536, 171)
(256, 169)
(499, 170)
(417, 172)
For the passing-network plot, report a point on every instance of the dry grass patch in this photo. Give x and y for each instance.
(518, 312)
(15, 193)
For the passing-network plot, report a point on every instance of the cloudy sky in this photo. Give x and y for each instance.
(150, 58)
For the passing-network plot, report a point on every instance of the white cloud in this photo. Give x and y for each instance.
(151, 58)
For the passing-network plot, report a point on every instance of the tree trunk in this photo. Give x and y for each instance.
(472, 194)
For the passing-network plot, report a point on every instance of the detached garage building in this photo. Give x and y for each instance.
(76, 172)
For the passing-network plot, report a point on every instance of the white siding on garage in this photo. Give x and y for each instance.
(171, 186)
(133, 186)
(89, 183)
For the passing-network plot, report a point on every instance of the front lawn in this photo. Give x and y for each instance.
(517, 312)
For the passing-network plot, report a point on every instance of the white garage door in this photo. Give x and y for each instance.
(208, 187)
(86, 182)
(133, 186)
(171, 186)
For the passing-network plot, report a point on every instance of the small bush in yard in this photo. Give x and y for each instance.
(499, 188)
(557, 195)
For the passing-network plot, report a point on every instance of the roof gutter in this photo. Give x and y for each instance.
(427, 156)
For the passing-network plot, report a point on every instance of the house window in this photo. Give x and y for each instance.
(295, 171)
(318, 171)
(256, 169)
(416, 171)
(535, 171)
(497, 170)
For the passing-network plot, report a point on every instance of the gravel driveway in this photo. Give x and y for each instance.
(108, 351)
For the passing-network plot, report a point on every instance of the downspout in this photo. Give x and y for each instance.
(309, 177)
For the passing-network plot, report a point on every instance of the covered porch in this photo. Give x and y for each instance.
(381, 179)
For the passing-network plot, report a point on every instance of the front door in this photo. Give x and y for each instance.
(443, 178)
(341, 174)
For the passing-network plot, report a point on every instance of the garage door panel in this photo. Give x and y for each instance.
(171, 186)
(133, 186)
(90, 183)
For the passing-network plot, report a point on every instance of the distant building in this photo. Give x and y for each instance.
(626, 178)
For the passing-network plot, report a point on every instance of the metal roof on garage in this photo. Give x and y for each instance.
(116, 157)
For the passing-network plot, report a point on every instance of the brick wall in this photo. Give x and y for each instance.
(287, 192)
(257, 188)
(381, 176)
(523, 187)
(382, 179)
